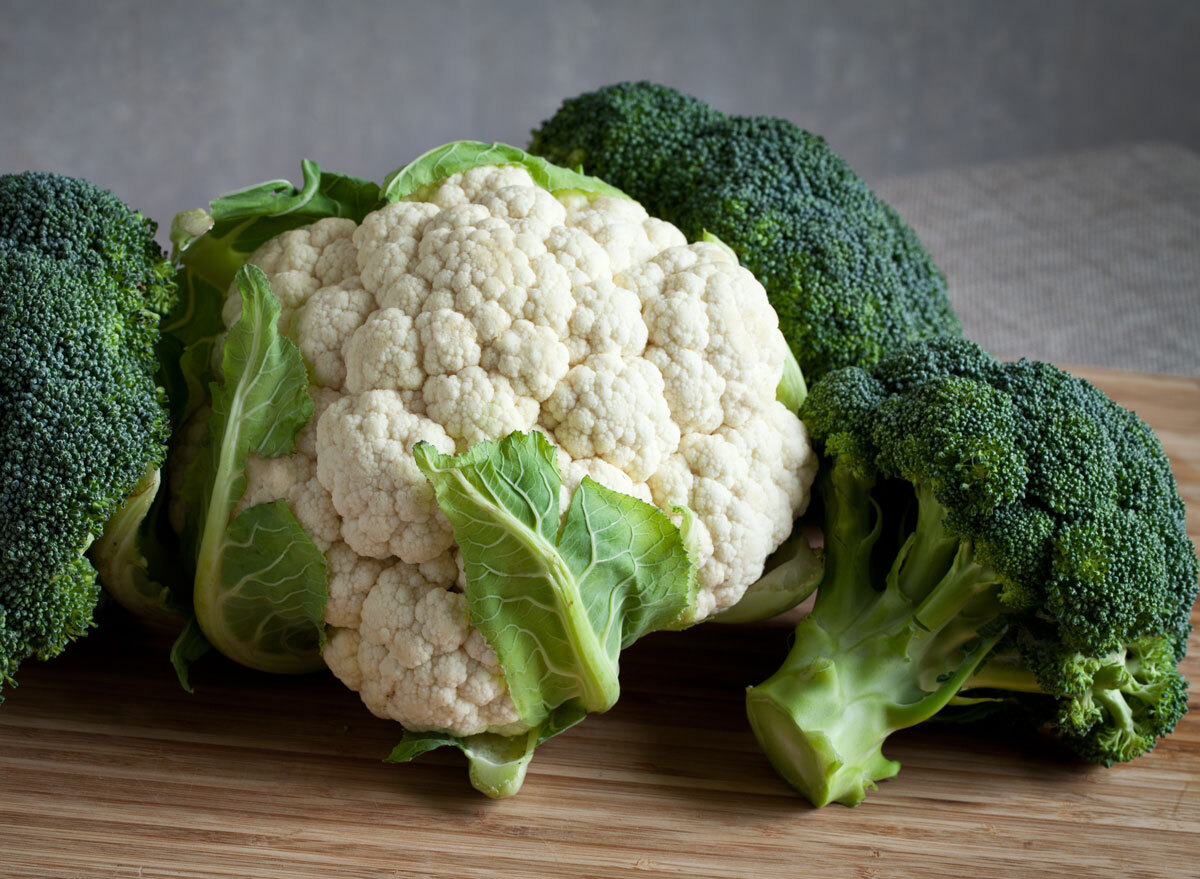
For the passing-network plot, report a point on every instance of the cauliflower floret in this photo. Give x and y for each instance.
(299, 262)
(523, 201)
(384, 353)
(488, 305)
(710, 306)
(364, 459)
(531, 357)
(448, 339)
(583, 258)
(476, 405)
(294, 478)
(351, 578)
(477, 184)
(777, 441)
(692, 386)
(573, 471)
(607, 318)
(411, 652)
(729, 479)
(325, 323)
(617, 225)
(613, 408)
(387, 241)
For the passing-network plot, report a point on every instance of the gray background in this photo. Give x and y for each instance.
(171, 103)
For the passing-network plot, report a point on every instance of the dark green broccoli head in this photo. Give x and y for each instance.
(1063, 491)
(1066, 502)
(847, 277)
(82, 288)
(956, 436)
(72, 220)
(839, 411)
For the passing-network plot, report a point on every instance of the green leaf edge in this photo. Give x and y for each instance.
(212, 522)
(413, 180)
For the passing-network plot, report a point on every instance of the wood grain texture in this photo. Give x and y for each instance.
(108, 769)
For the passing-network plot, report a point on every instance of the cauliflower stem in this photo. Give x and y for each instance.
(497, 764)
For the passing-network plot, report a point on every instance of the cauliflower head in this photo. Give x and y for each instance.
(484, 304)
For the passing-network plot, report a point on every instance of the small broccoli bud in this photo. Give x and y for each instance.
(836, 414)
(1108, 580)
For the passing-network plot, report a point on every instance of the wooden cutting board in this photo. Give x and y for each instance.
(108, 769)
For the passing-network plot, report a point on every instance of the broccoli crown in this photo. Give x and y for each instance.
(1067, 496)
(847, 277)
(1065, 506)
(82, 288)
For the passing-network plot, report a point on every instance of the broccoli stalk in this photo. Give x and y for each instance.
(129, 558)
(995, 532)
(823, 717)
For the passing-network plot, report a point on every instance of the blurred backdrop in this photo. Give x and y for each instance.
(170, 103)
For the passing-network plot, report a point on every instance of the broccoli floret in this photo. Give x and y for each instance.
(847, 276)
(82, 288)
(994, 531)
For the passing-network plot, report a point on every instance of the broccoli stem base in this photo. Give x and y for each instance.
(821, 731)
(873, 658)
(823, 717)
